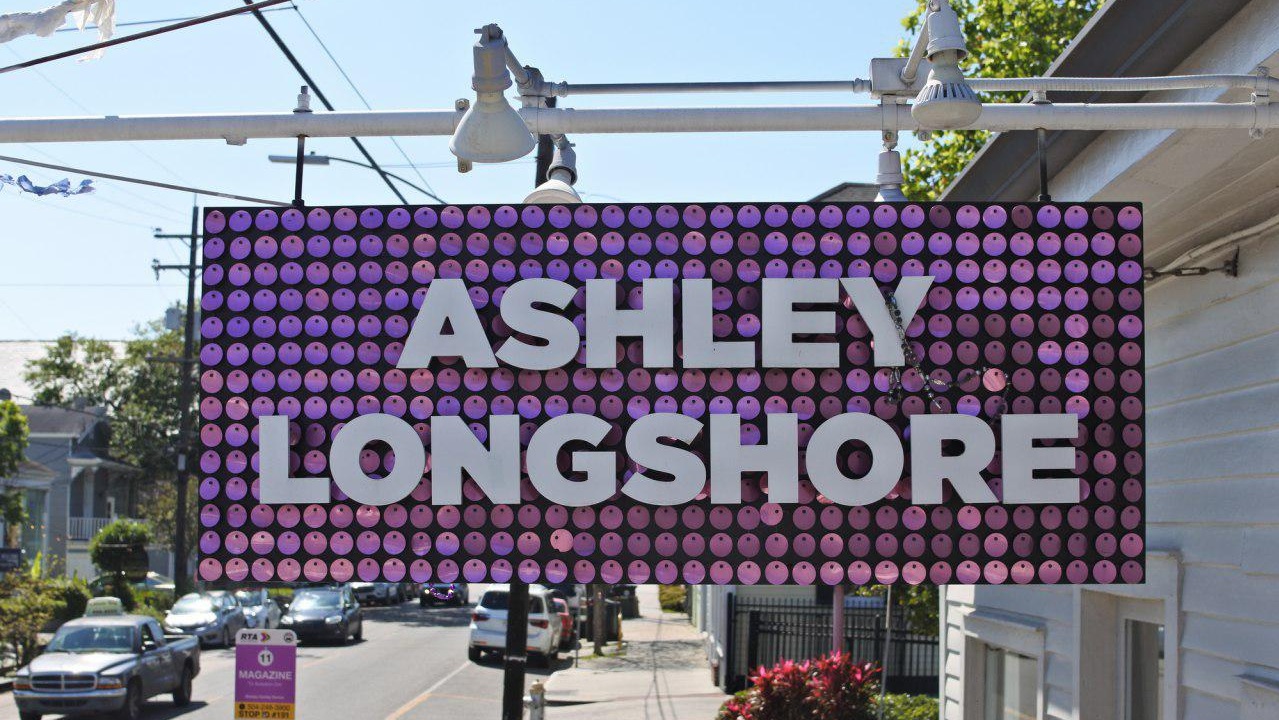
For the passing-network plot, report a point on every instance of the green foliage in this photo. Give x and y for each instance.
(70, 596)
(141, 394)
(910, 707)
(24, 611)
(672, 597)
(115, 546)
(158, 601)
(30, 605)
(919, 602)
(1006, 38)
(13, 437)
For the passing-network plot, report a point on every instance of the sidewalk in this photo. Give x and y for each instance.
(661, 673)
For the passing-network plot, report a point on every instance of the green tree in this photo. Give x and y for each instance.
(13, 446)
(139, 388)
(1006, 38)
(117, 549)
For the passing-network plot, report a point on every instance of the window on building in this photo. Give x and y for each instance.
(1012, 685)
(1144, 660)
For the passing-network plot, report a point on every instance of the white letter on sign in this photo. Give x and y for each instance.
(558, 331)
(275, 486)
(910, 293)
(1020, 458)
(447, 301)
(782, 322)
(643, 447)
(349, 442)
(600, 467)
(822, 459)
(928, 467)
(779, 458)
(454, 448)
(654, 322)
(701, 350)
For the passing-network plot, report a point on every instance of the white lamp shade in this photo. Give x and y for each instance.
(553, 192)
(491, 131)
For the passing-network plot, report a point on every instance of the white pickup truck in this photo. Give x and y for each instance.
(106, 663)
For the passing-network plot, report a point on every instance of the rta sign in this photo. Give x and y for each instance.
(787, 394)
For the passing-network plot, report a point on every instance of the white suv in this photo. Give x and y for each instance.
(488, 625)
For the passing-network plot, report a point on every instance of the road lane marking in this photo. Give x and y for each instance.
(406, 707)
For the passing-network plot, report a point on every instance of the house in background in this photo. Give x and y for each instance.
(1200, 639)
(72, 486)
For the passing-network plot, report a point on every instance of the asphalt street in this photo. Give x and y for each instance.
(411, 664)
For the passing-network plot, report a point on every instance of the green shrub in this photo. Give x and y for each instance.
(910, 707)
(672, 597)
(158, 601)
(25, 609)
(831, 687)
(70, 596)
(119, 546)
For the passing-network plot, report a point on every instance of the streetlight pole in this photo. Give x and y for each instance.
(314, 159)
(186, 391)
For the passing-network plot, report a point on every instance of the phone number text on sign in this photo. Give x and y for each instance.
(722, 393)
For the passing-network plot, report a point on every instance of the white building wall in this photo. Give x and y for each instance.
(1212, 385)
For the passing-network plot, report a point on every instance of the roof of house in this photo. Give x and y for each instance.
(1126, 38)
(849, 192)
(46, 420)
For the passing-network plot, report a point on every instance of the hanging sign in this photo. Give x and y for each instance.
(718, 393)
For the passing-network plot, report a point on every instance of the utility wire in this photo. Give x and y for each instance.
(63, 208)
(147, 22)
(253, 7)
(394, 140)
(120, 188)
(306, 77)
(141, 181)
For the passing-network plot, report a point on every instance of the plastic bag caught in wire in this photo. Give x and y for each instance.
(61, 187)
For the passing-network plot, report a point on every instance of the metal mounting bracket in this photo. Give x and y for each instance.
(462, 105)
(1260, 101)
(1229, 267)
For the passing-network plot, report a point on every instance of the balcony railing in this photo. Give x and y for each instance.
(84, 528)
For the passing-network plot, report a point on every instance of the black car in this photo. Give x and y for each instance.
(442, 593)
(330, 613)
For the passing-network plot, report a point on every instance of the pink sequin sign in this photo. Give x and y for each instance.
(1032, 309)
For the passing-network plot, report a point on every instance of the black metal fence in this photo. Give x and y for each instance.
(763, 631)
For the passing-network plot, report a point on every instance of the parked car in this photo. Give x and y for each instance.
(572, 593)
(260, 611)
(488, 625)
(328, 613)
(154, 582)
(106, 663)
(213, 618)
(568, 623)
(378, 593)
(442, 593)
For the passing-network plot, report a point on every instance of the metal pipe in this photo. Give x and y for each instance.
(563, 89)
(859, 85)
(999, 117)
(911, 69)
(1261, 83)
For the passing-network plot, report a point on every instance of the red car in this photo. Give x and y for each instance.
(568, 636)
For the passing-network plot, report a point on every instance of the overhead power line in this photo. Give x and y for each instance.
(306, 77)
(135, 23)
(430, 191)
(142, 181)
(253, 7)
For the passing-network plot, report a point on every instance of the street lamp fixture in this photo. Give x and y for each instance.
(558, 187)
(313, 159)
(491, 131)
(946, 101)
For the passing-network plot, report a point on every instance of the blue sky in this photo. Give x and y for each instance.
(83, 264)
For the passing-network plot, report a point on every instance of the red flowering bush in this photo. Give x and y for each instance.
(831, 687)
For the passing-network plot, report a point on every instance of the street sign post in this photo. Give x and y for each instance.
(265, 675)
